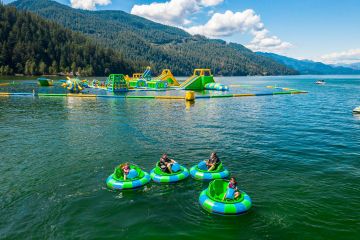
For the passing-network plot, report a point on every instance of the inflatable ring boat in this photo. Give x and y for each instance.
(211, 200)
(116, 180)
(200, 174)
(159, 176)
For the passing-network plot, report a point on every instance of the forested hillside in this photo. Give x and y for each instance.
(30, 45)
(147, 43)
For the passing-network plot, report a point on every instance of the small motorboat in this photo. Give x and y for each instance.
(356, 110)
(320, 82)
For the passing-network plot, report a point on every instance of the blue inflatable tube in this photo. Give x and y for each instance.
(141, 83)
(216, 86)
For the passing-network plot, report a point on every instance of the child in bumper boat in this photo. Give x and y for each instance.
(166, 163)
(212, 162)
(232, 190)
(125, 169)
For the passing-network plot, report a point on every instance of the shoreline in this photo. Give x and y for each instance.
(346, 76)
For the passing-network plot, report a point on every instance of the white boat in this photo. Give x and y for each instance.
(356, 110)
(320, 82)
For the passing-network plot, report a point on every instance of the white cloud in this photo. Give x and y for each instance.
(173, 12)
(230, 23)
(227, 24)
(265, 43)
(177, 13)
(88, 4)
(349, 56)
(209, 3)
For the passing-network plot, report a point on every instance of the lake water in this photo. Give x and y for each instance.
(297, 156)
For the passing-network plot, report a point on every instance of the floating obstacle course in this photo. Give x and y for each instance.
(167, 76)
(116, 83)
(202, 79)
(75, 85)
(145, 80)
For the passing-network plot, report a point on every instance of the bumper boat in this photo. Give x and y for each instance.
(136, 178)
(211, 200)
(179, 173)
(200, 172)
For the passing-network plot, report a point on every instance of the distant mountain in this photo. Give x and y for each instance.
(144, 42)
(355, 66)
(31, 45)
(307, 66)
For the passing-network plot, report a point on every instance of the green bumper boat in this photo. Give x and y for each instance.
(116, 180)
(211, 199)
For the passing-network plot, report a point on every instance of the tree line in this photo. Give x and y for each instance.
(31, 45)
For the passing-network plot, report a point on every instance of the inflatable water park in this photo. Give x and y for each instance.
(200, 85)
(220, 197)
(202, 79)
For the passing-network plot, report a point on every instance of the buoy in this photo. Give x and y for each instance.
(190, 96)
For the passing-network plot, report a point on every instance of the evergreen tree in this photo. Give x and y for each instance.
(31, 45)
(42, 68)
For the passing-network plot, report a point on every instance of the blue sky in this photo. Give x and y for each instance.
(326, 30)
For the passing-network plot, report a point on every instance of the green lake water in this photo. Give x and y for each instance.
(297, 156)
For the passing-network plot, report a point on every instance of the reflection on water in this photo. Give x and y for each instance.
(189, 104)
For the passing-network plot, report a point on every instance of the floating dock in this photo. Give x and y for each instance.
(6, 94)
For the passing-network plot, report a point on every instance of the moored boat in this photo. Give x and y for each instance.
(356, 110)
(320, 82)
(45, 82)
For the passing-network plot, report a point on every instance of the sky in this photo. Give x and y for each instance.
(320, 30)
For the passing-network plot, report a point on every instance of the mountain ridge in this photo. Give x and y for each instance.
(309, 67)
(355, 66)
(144, 42)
